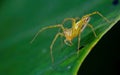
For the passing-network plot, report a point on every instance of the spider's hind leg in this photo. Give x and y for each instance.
(51, 46)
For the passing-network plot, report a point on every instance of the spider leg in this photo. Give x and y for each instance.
(98, 13)
(48, 27)
(77, 18)
(51, 46)
(92, 29)
(78, 42)
(71, 19)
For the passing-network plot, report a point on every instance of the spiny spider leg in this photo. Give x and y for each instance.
(48, 27)
(51, 46)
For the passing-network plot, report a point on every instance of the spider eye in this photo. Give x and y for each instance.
(87, 18)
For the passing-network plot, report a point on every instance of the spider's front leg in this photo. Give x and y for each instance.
(80, 34)
(98, 13)
(92, 30)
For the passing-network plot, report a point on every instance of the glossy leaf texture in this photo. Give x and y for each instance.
(20, 20)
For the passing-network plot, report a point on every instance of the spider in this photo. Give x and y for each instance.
(74, 31)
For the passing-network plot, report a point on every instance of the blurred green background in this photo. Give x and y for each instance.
(21, 19)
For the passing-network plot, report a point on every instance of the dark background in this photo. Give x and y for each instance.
(104, 59)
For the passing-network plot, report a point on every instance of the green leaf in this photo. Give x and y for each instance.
(21, 19)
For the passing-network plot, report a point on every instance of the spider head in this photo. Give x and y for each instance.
(85, 19)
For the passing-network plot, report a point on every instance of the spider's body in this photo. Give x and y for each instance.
(77, 28)
(74, 31)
